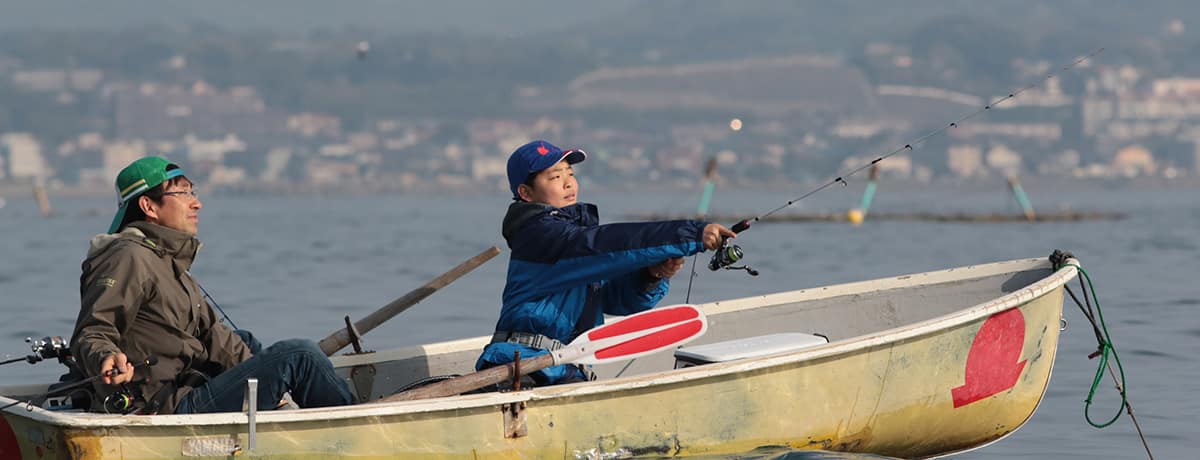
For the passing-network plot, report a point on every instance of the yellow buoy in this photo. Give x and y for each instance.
(855, 216)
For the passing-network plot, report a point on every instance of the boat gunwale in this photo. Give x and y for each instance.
(617, 385)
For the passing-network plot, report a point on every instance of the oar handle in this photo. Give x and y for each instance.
(474, 381)
(340, 338)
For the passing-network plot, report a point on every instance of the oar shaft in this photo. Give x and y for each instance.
(473, 381)
(341, 337)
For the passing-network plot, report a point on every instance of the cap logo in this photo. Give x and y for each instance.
(542, 150)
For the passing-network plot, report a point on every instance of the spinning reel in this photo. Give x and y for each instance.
(727, 255)
(45, 348)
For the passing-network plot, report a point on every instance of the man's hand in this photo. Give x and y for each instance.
(119, 367)
(714, 234)
(666, 268)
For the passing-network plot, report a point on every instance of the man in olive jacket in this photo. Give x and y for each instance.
(140, 302)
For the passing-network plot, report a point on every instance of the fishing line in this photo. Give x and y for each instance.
(710, 171)
(215, 304)
(743, 225)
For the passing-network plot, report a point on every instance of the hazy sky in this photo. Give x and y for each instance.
(508, 17)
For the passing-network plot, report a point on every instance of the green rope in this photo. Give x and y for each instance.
(1106, 347)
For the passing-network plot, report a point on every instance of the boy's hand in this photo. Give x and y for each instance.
(666, 268)
(714, 234)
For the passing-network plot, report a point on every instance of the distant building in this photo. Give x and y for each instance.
(1005, 160)
(310, 124)
(363, 142)
(58, 79)
(277, 162)
(1134, 160)
(1049, 96)
(1176, 87)
(161, 112)
(24, 156)
(1061, 164)
(898, 166)
(965, 160)
(855, 129)
(487, 168)
(212, 151)
(332, 172)
(1046, 132)
(118, 155)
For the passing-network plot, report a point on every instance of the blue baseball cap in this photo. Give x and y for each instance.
(536, 157)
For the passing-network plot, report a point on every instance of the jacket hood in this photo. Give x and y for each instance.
(104, 240)
(521, 212)
(160, 239)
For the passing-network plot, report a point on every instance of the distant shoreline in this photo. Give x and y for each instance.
(11, 191)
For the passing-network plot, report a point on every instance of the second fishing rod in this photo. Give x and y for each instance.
(729, 254)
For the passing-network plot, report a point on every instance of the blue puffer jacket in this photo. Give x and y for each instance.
(566, 271)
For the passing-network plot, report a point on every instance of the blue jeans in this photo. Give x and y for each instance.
(248, 338)
(296, 365)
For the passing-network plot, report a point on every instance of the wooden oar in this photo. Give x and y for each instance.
(341, 337)
(633, 336)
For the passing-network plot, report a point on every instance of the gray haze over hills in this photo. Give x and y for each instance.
(524, 17)
(486, 17)
(280, 92)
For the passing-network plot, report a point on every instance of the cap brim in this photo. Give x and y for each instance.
(574, 156)
(116, 223)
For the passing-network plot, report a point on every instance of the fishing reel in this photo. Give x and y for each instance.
(727, 255)
(47, 348)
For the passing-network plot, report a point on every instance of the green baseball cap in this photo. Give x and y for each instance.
(141, 175)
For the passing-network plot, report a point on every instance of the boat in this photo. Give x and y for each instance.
(913, 366)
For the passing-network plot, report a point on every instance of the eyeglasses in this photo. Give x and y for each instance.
(183, 194)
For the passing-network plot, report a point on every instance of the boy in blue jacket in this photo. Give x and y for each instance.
(566, 271)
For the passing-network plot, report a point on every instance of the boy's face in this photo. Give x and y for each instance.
(555, 186)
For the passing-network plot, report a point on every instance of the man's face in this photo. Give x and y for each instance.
(555, 186)
(179, 209)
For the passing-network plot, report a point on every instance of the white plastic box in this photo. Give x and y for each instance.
(749, 347)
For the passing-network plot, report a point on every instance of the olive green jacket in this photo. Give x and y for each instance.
(139, 299)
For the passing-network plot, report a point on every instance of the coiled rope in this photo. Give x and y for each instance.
(1104, 349)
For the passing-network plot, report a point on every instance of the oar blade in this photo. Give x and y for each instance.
(638, 335)
(644, 321)
(672, 336)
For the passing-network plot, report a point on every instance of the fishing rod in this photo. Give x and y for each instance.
(123, 398)
(215, 304)
(43, 349)
(728, 254)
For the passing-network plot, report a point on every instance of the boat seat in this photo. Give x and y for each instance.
(748, 347)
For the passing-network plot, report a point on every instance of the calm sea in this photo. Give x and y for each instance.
(294, 266)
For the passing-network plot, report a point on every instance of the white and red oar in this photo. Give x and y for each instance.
(630, 337)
